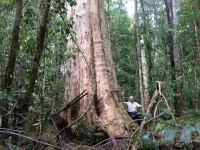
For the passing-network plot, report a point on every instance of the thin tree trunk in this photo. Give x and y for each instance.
(108, 17)
(148, 52)
(142, 61)
(196, 35)
(58, 75)
(197, 53)
(137, 78)
(8, 76)
(179, 102)
(37, 55)
(94, 43)
(138, 55)
(175, 56)
(9, 71)
(197, 63)
(146, 59)
(168, 5)
(144, 73)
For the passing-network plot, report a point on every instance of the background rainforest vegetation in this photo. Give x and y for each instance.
(67, 66)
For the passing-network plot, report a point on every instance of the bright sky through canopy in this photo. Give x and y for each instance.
(130, 5)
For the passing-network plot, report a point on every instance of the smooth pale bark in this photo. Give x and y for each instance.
(93, 40)
(145, 73)
(8, 75)
(142, 65)
(148, 55)
(139, 79)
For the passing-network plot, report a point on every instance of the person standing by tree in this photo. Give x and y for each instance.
(132, 109)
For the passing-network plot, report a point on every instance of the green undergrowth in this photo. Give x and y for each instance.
(165, 133)
(190, 117)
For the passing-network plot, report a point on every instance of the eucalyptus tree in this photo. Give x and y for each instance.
(92, 68)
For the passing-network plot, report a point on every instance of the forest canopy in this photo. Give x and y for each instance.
(67, 66)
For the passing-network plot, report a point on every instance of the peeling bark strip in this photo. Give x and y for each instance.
(8, 76)
(93, 40)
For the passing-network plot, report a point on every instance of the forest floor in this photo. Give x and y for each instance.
(162, 134)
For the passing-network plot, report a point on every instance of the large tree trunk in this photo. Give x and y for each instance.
(37, 56)
(93, 40)
(175, 56)
(8, 76)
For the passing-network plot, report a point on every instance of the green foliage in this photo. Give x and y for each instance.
(122, 44)
(160, 126)
(48, 96)
(170, 133)
(182, 135)
(82, 132)
(72, 2)
(6, 3)
(147, 143)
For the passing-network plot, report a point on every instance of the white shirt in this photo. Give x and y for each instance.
(132, 107)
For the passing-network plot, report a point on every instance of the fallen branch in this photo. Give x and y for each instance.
(73, 102)
(141, 126)
(73, 123)
(105, 141)
(155, 112)
(7, 131)
(169, 108)
(154, 102)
